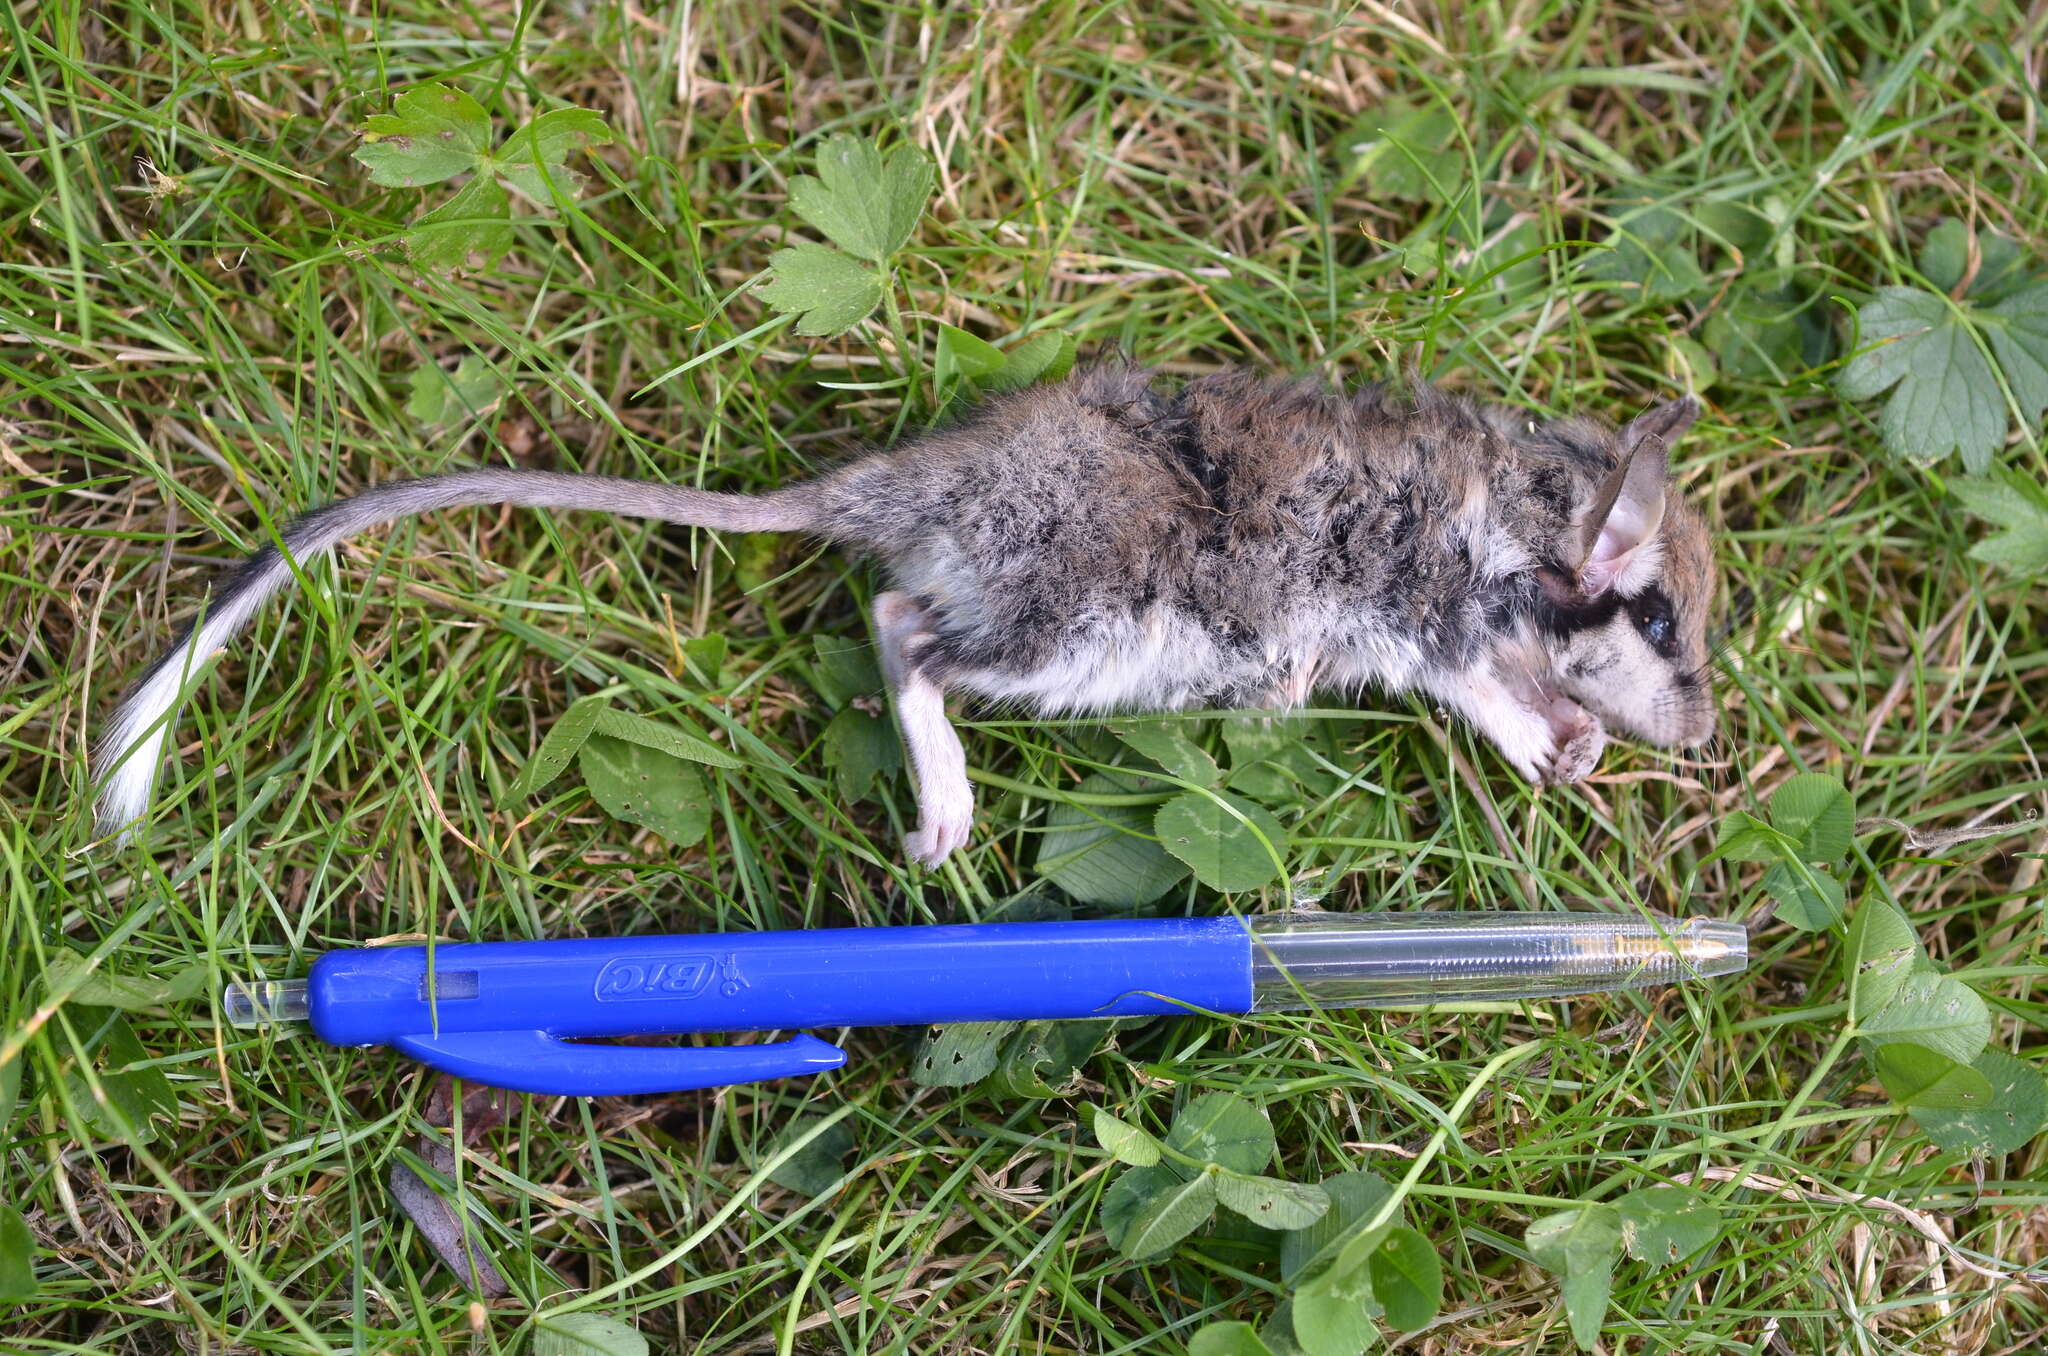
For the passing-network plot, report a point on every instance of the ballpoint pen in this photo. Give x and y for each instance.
(513, 1014)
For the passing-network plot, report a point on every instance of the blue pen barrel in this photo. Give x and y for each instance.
(785, 980)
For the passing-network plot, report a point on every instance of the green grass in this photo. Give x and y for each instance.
(207, 324)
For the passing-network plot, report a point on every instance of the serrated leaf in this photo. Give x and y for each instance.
(1580, 1246)
(1946, 397)
(534, 159)
(1171, 749)
(961, 354)
(1106, 854)
(17, 1256)
(1271, 1201)
(1334, 1311)
(1936, 1011)
(1918, 1078)
(1171, 1213)
(1666, 1224)
(1816, 812)
(858, 749)
(2017, 504)
(469, 231)
(677, 741)
(1224, 1129)
(133, 1093)
(105, 988)
(1045, 356)
(1770, 326)
(442, 397)
(1228, 1339)
(1355, 1197)
(1883, 950)
(1125, 1142)
(1407, 1279)
(559, 748)
(2016, 1112)
(1808, 898)
(958, 1053)
(1945, 258)
(827, 291)
(586, 1335)
(865, 204)
(434, 132)
(1742, 837)
(1230, 844)
(645, 786)
(817, 1167)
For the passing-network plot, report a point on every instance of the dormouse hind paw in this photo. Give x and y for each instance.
(1581, 739)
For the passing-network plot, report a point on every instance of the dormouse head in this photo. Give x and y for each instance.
(1624, 613)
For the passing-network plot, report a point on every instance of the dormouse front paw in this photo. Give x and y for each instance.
(939, 837)
(1581, 738)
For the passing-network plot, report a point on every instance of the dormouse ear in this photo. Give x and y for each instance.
(1630, 504)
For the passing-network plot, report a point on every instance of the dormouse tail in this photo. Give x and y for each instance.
(134, 743)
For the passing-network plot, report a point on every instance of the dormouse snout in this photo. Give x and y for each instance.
(1626, 614)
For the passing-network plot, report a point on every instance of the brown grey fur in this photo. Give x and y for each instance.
(1103, 544)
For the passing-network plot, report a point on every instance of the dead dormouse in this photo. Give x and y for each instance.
(1102, 545)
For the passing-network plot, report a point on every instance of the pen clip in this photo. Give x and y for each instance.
(537, 1061)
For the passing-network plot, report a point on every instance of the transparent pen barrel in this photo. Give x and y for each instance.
(1365, 960)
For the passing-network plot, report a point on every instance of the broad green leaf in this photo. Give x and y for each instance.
(1652, 249)
(1406, 152)
(1355, 1197)
(961, 354)
(1230, 844)
(677, 741)
(135, 1093)
(1808, 898)
(103, 988)
(1580, 1246)
(2018, 331)
(1290, 776)
(1128, 1194)
(560, 747)
(1125, 1142)
(859, 748)
(843, 669)
(1167, 746)
(17, 1256)
(1936, 1011)
(1044, 1059)
(1107, 854)
(645, 786)
(827, 291)
(1666, 1224)
(440, 397)
(958, 1053)
(1334, 1311)
(434, 132)
(706, 657)
(1816, 812)
(1254, 739)
(534, 161)
(1407, 1279)
(469, 231)
(1883, 950)
(1228, 1339)
(1945, 258)
(1045, 356)
(1771, 326)
(1173, 1212)
(817, 1167)
(1946, 397)
(586, 1335)
(1742, 837)
(2016, 503)
(1224, 1129)
(865, 204)
(2015, 1113)
(1272, 1202)
(1918, 1078)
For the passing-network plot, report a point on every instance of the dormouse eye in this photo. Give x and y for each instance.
(1657, 630)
